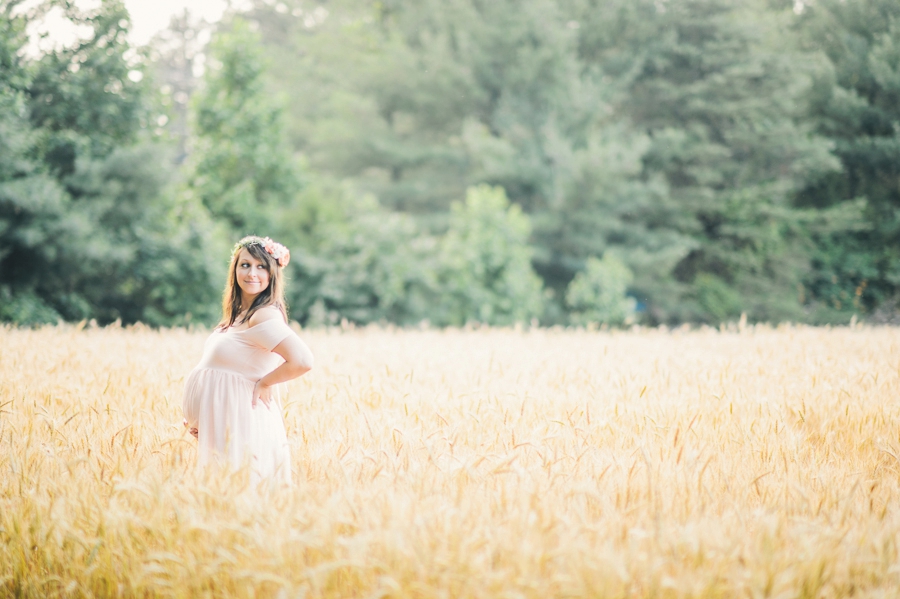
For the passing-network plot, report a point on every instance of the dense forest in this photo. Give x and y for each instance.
(567, 162)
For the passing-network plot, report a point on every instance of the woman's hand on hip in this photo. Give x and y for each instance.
(262, 393)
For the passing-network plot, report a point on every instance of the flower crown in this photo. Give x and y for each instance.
(281, 254)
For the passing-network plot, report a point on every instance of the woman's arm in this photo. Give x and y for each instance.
(298, 360)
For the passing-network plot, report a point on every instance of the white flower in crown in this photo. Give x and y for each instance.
(281, 254)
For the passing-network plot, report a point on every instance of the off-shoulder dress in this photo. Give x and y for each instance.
(218, 395)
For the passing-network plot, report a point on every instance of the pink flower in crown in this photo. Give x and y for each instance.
(281, 254)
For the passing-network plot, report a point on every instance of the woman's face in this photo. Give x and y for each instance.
(252, 276)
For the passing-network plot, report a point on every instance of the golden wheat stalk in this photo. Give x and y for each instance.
(760, 462)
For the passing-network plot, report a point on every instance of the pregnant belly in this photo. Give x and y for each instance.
(210, 389)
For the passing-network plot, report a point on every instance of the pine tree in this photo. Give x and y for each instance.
(856, 103)
(718, 87)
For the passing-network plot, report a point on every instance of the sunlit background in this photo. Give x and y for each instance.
(537, 162)
(557, 262)
(147, 18)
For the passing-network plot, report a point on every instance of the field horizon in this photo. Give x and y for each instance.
(756, 461)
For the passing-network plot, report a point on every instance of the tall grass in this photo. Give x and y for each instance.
(487, 463)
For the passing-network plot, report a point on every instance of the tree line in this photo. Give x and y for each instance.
(569, 162)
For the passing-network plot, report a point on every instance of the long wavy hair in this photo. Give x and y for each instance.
(273, 295)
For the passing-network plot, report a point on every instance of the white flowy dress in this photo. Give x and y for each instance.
(218, 398)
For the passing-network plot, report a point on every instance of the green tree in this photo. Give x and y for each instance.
(28, 195)
(89, 227)
(241, 167)
(372, 107)
(676, 134)
(486, 273)
(598, 294)
(719, 88)
(415, 102)
(856, 103)
(148, 253)
(357, 261)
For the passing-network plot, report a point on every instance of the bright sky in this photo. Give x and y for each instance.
(147, 18)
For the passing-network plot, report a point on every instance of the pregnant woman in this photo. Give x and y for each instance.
(231, 401)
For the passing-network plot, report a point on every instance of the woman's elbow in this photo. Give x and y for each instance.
(304, 364)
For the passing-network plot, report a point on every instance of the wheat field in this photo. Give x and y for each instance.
(742, 462)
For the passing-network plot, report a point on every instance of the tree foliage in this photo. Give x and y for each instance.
(598, 295)
(88, 226)
(359, 262)
(856, 103)
(662, 161)
(485, 272)
(674, 133)
(241, 169)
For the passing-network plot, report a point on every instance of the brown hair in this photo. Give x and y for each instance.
(273, 295)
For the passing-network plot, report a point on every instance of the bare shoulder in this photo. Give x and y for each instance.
(265, 314)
